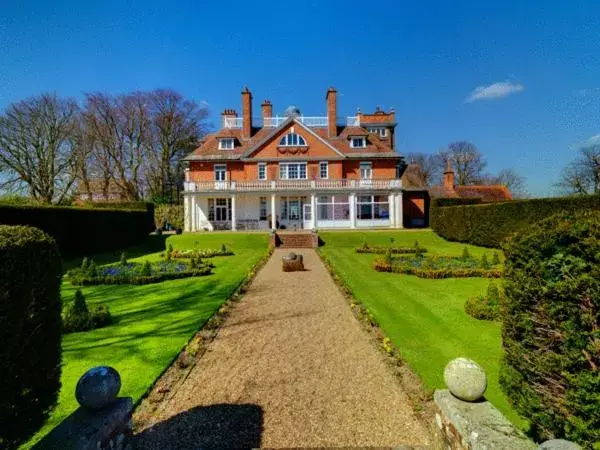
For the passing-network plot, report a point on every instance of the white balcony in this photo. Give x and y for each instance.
(233, 122)
(353, 121)
(292, 185)
(272, 122)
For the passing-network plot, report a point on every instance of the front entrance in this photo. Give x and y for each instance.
(292, 212)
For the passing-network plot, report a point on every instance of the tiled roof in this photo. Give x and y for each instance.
(209, 147)
(487, 194)
(439, 191)
(413, 178)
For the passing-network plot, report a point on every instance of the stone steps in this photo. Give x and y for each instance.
(296, 240)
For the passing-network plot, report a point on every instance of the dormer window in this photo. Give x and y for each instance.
(226, 143)
(379, 131)
(292, 140)
(358, 142)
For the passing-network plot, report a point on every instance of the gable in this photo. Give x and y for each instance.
(316, 147)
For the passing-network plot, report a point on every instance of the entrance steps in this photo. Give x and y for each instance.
(295, 239)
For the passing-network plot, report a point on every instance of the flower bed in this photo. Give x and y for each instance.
(138, 273)
(393, 250)
(199, 253)
(439, 266)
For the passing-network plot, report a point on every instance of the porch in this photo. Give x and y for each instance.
(294, 211)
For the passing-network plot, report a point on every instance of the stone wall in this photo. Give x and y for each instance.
(474, 425)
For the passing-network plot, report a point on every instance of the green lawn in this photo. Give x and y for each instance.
(154, 321)
(424, 318)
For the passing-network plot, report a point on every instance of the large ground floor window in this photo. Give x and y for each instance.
(333, 207)
(292, 208)
(219, 209)
(370, 207)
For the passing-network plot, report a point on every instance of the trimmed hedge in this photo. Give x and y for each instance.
(489, 224)
(551, 327)
(81, 231)
(30, 331)
(377, 250)
(173, 214)
(455, 201)
(380, 265)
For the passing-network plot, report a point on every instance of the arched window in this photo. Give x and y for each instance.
(292, 140)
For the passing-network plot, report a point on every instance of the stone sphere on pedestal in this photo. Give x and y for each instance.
(559, 444)
(465, 379)
(98, 387)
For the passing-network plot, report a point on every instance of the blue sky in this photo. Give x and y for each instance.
(540, 63)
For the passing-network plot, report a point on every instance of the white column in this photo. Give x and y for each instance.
(194, 213)
(352, 201)
(186, 212)
(233, 222)
(313, 211)
(391, 209)
(399, 213)
(273, 213)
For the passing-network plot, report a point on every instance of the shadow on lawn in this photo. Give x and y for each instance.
(214, 426)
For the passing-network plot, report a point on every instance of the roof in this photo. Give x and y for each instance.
(209, 146)
(413, 178)
(439, 191)
(487, 194)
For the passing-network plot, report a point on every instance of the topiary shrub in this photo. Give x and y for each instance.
(551, 327)
(78, 317)
(485, 307)
(30, 331)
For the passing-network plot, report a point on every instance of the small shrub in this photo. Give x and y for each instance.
(76, 316)
(92, 270)
(485, 307)
(146, 269)
(388, 257)
(85, 264)
(495, 259)
(169, 253)
(466, 254)
(123, 259)
(364, 245)
(223, 248)
(100, 316)
(485, 264)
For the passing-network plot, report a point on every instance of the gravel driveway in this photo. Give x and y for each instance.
(291, 367)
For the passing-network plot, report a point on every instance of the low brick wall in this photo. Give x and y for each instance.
(102, 429)
(479, 425)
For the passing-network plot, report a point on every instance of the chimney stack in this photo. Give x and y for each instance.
(331, 98)
(247, 113)
(227, 113)
(267, 111)
(448, 176)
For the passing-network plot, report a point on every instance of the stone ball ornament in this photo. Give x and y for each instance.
(98, 387)
(465, 379)
(559, 444)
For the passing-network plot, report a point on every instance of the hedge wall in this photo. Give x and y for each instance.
(81, 231)
(489, 224)
(30, 331)
(551, 327)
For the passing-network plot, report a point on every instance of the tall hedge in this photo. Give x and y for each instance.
(489, 224)
(551, 326)
(81, 231)
(30, 331)
(172, 214)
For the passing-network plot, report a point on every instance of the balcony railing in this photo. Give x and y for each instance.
(353, 121)
(305, 120)
(233, 122)
(292, 185)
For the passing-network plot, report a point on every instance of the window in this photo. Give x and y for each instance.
(226, 144)
(379, 131)
(219, 209)
(366, 170)
(292, 140)
(262, 171)
(292, 171)
(220, 172)
(399, 170)
(323, 170)
(263, 208)
(358, 142)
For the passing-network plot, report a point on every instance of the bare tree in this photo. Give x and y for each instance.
(37, 149)
(432, 166)
(509, 178)
(177, 124)
(466, 160)
(120, 129)
(582, 176)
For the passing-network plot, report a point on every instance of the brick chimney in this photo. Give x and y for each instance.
(331, 98)
(227, 113)
(247, 113)
(448, 176)
(267, 110)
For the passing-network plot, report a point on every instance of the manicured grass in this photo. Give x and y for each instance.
(424, 318)
(153, 322)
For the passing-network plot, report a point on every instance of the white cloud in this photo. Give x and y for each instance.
(494, 91)
(594, 140)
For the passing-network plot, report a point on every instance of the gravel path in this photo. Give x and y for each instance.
(291, 367)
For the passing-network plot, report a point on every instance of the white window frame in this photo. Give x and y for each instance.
(288, 140)
(323, 170)
(363, 143)
(379, 131)
(226, 143)
(364, 175)
(284, 170)
(220, 168)
(262, 171)
(263, 211)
